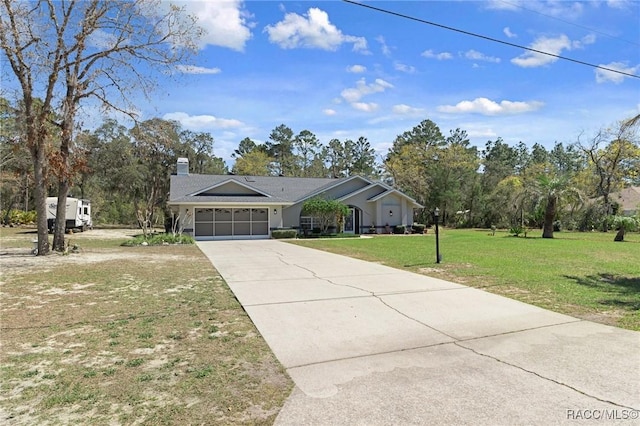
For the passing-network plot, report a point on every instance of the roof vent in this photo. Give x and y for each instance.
(183, 166)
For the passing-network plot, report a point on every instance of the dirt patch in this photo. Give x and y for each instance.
(16, 245)
(128, 335)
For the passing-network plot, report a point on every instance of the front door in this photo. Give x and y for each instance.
(350, 221)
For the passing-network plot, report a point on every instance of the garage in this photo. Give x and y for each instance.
(231, 223)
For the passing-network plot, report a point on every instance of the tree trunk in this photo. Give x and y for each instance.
(549, 216)
(64, 172)
(61, 216)
(40, 199)
(620, 235)
(63, 188)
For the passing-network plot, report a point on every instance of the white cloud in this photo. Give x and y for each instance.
(478, 56)
(604, 76)
(619, 4)
(580, 44)
(354, 94)
(439, 56)
(507, 31)
(554, 46)
(199, 122)
(478, 130)
(406, 110)
(329, 111)
(486, 106)
(102, 39)
(501, 5)
(404, 68)
(386, 50)
(313, 30)
(553, 8)
(225, 22)
(551, 45)
(192, 69)
(357, 69)
(365, 106)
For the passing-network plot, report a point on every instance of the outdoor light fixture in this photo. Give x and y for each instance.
(436, 216)
(390, 212)
(275, 211)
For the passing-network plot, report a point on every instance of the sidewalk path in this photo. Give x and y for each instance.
(367, 344)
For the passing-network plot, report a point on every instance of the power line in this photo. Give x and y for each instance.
(569, 22)
(495, 40)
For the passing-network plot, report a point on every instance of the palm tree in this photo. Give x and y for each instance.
(551, 191)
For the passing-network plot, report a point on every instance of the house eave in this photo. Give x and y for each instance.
(226, 182)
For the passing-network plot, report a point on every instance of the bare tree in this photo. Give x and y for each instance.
(614, 155)
(64, 53)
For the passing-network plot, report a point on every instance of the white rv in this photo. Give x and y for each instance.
(78, 214)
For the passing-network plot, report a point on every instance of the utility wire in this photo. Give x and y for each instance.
(495, 40)
(570, 23)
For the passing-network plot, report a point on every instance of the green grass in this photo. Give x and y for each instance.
(582, 274)
(158, 240)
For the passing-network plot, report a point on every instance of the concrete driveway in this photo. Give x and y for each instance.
(367, 344)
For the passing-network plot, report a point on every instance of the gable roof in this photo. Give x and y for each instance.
(227, 188)
(363, 189)
(196, 189)
(390, 191)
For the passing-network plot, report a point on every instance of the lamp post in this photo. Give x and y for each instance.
(436, 216)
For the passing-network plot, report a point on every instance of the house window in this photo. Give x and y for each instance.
(309, 222)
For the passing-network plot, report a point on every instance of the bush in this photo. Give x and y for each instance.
(284, 233)
(516, 230)
(629, 224)
(557, 226)
(571, 225)
(399, 229)
(418, 228)
(18, 217)
(591, 218)
(159, 240)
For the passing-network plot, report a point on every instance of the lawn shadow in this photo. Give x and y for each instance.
(624, 289)
(422, 264)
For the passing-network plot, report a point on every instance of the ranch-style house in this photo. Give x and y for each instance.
(245, 207)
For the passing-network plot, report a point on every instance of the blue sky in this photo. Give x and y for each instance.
(343, 71)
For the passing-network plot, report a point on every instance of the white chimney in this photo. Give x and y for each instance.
(183, 166)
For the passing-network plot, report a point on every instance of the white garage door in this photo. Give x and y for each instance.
(232, 223)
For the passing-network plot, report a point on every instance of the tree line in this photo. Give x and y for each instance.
(303, 155)
(125, 171)
(516, 186)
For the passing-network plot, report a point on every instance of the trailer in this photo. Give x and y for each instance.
(78, 214)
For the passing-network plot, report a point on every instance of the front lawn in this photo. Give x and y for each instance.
(586, 275)
(127, 335)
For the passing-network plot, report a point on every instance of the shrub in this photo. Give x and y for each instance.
(418, 228)
(284, 233)
(629, 224)
(516, 230)
(557, 226)
(399, 229)
(159, 239)
(571, 225)
(327, 211)
(18, 217)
